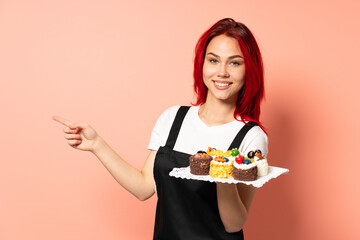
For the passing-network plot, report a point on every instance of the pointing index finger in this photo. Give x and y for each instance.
(62, 120)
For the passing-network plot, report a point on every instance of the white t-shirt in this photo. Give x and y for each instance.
(195, 135)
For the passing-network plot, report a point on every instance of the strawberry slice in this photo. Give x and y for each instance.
(239, 159)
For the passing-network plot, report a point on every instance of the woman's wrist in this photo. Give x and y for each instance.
(99, 144)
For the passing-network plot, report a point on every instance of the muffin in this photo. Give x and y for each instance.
(200, 163)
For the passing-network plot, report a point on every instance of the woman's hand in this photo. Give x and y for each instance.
(83, 137)
(79, 135)
(234, 201)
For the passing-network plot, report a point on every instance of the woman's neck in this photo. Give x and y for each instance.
(216, 112)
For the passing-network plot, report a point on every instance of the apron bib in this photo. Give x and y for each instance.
(187, 209)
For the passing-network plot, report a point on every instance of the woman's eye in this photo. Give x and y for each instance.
(235, 63)
(213, 60)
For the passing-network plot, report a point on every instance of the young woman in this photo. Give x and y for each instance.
(228, 80)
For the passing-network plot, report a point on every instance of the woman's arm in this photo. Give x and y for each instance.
(234, 201)
(138, 183)
(83, 137)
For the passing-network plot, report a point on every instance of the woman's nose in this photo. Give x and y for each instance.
(223, 72)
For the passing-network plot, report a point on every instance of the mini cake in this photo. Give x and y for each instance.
(261, 163)
(244, 169)
(221, 167)
(200, 163)
(215, 153)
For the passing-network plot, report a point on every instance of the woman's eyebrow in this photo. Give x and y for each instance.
(231, 57)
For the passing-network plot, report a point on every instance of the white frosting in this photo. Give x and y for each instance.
(263, 167)
(244, 166)
(222, 163)
(256, 158)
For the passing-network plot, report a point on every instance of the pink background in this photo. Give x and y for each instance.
(117, 65)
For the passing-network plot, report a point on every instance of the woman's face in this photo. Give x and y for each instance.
(223, 69)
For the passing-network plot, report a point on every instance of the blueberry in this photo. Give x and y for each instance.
(246, 161)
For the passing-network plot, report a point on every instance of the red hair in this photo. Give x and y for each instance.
(252, 93)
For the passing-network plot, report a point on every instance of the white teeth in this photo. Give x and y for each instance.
(222, 84)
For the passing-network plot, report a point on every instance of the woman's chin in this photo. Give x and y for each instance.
(224, 98)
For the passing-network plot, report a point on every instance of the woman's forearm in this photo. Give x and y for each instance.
(233, 212)
(126, 175)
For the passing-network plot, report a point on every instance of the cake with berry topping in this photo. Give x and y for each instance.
(244, 168)
(200, 163)
(245, 172)
(221, 167)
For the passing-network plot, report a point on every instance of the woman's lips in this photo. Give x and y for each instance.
(221, 85)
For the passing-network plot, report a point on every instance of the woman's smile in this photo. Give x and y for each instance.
(221, 85)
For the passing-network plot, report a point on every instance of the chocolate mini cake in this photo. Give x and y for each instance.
(245, 172)
(200, 163)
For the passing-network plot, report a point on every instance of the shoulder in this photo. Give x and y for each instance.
(166, 118)
(169, 114)
(256, 138)
(162, 128)
(257, 133)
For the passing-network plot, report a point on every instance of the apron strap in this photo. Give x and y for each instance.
(241, 134)
(175, 128)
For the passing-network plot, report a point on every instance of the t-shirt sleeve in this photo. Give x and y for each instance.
(256, 138)
(162, 127)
